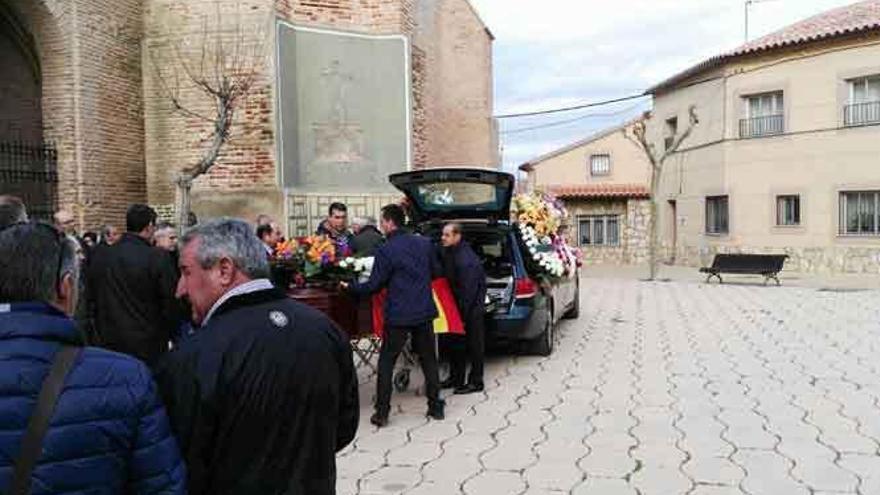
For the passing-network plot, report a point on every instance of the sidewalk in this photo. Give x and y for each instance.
(687, 274)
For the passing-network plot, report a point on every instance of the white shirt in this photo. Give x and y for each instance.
(245, 288)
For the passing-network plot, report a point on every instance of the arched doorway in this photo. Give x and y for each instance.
(28, 165)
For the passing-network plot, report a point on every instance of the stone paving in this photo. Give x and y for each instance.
(659, 388)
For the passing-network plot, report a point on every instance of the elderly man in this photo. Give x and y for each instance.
(12, 210)
(131, 291)
(75, 419)
(366, 236)
(165, 237)
(404, 265)
(65, 222)
(464, 270)
(265, 393)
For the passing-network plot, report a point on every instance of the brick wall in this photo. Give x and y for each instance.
(21, 117)
(91, 98)
(457, 90)
(244, 181)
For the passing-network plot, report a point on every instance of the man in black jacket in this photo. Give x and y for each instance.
(130, 289)
(464, 270)
(265, 393)
(366, 236)
(404, 265)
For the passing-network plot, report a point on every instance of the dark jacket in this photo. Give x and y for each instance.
(131, 288)
(405, 265)
(109, 434)
(366, 241)
(342, 240)
(261, 398)
(464, 270)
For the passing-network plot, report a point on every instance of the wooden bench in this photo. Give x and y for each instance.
(768, 265)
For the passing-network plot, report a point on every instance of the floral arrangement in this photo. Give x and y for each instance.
(315, 259)
(539, 217)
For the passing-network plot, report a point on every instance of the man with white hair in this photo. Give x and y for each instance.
(265, 393)
(367, 236)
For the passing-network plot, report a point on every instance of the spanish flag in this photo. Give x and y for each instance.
(447, 321)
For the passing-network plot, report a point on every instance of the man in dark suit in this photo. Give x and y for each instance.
(130, 290)
(405, 265)
(265, 393)
(464, 270)
(366, 236)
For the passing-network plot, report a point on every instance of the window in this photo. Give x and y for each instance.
(864, 101)
(859, 213)
(671, 132)
(765, 115)
(716, 215)
(764, 105)
(599, 230)
(788, 210)
(600, 164)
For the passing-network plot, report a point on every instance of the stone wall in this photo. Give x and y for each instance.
(821, 260)
(633, 214)
(638, 217)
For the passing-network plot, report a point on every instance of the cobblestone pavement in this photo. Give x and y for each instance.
(659, 388)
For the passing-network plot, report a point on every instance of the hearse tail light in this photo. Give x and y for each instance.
(525, 288)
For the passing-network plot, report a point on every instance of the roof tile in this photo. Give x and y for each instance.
(856, 18)
(595, 191)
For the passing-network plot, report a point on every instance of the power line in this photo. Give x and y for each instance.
(568, 109)
(569, 121)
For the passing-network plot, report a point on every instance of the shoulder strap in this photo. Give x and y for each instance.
(32, 442)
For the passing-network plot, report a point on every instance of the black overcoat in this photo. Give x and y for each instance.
(261, 398)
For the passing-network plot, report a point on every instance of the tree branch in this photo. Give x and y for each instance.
(693, 120)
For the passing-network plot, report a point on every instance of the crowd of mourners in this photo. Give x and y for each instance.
(137, 362)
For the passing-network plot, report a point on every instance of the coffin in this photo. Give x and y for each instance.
(352, 315)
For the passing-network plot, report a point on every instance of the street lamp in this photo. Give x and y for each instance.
(748, 3)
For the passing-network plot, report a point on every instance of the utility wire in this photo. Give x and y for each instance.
(568, 109)
(569, 121)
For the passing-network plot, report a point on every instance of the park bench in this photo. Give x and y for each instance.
(768, 265)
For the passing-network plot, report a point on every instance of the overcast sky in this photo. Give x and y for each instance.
(553, 53)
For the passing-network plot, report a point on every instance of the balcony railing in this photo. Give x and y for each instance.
(861, 113)
(762, 126)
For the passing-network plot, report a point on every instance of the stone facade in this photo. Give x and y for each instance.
(820, 260)
(633, 214)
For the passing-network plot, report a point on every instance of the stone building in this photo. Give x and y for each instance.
(604, 182)
(784, 158)
(86, 81)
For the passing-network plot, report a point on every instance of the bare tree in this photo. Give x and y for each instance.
(657, 160)
(209, 83)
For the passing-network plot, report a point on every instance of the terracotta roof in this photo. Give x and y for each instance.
(587, 191)
(577, 144)
(852, 19)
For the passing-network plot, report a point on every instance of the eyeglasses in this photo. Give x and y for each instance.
(60, 239)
